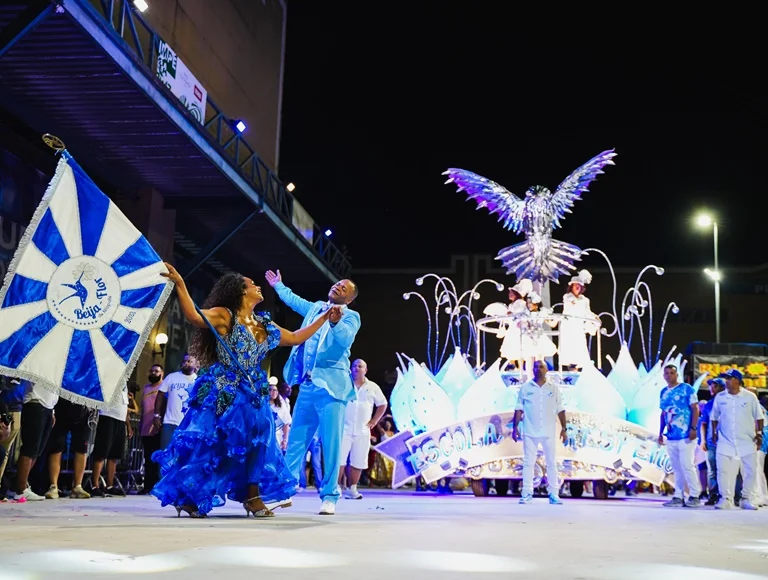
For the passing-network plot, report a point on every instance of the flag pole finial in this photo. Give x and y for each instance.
(54, 142)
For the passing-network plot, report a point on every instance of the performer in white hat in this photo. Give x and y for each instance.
(511, 345)
(573, 341)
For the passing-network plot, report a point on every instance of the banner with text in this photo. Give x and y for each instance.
(612, 444)
(175, 75)
(754, 367)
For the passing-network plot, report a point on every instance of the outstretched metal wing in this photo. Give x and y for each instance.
(577, 183)
(491, 195)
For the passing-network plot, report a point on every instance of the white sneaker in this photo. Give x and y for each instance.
(29, 495)
(285, 503)
(52, 493)
(724, 504)
(352, 493)
(328, 508)
(745, 504)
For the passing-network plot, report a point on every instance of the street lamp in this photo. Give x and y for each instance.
(705, 220)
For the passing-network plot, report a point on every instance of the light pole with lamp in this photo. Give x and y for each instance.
(705, 221)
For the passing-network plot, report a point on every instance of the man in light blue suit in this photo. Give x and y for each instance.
(321, 367)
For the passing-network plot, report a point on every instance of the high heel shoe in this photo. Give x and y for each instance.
(190, 509)
(256, 507)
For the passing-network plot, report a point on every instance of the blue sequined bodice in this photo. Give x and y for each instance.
(248, 351)
(218, 383)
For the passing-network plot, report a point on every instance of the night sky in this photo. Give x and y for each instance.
(377, 105)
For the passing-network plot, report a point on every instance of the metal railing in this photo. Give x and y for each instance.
(135, 33)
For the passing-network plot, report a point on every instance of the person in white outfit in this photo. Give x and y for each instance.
(679, 422)
(281, 413)
(578, 322)
(359, 418)
(510, 331)
(539, 405)
(737, 422)
(761, 484)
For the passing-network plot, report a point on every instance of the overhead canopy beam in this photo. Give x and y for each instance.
(103, 33)
(194, 263)
(24, 23)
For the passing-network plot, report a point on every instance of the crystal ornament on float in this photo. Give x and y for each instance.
(81, 295)
(539, 257)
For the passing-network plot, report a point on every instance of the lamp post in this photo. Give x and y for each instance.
(705, 221)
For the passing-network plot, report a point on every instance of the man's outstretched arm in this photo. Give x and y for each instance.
(295, 303)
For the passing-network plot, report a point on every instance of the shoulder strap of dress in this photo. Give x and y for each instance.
(228, 350)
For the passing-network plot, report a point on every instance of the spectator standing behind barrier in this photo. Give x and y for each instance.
(109, 445)
(70, 418)
(37, 420)
(12, 396)
(150, 434)
(5, 429)
(173, 393)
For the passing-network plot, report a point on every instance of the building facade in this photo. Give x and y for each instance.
(148, 103)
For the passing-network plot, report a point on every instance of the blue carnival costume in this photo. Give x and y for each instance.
(226, 440)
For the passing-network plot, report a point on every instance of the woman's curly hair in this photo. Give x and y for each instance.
(226, 293)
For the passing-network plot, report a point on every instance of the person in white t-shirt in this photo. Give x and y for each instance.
(171, 396)
(359, 418)
(37, 420)
(539, 406)
(109, 446)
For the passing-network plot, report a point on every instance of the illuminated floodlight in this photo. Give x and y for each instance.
(704, 220)
(715, 275)
(240, 126)
(290, 186)
(328, 233)
(141, 5)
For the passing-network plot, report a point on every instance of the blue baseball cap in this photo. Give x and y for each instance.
(717, 381)
(733, 374)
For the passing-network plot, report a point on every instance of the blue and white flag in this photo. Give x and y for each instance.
(81, 295)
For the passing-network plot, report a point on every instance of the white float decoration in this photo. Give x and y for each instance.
(454, 418)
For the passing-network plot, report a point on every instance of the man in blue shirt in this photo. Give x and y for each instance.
(679, 419)
(321, 367)
(715, 386)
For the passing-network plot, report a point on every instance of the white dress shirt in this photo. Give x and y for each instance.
(736, 416)
(540, 406)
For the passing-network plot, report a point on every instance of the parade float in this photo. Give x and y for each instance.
(454, 410)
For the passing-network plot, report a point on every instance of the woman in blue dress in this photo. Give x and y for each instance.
(225, 447)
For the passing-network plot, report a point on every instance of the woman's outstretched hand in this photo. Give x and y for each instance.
(172, 274)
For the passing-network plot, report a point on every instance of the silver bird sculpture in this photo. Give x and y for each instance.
(540, 257)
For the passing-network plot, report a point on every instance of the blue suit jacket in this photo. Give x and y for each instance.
(331, 371)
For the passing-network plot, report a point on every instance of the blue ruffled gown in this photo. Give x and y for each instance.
(226, 440)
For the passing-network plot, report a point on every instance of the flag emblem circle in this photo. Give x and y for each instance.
(83, 293)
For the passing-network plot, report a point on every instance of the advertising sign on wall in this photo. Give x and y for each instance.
(176, 76)
(753, 367)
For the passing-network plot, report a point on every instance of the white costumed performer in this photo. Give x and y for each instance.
(573, 341)
(511, 345)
